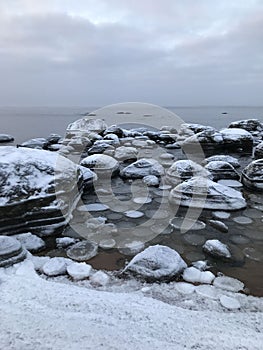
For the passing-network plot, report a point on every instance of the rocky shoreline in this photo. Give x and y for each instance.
(170, 204)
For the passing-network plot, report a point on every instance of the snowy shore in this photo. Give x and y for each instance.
(50, 314)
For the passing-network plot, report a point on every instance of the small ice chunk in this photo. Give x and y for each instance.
(200, 265)
(229, 303)
(31, 242)
(228, 283)
(79, 271)
(185, 288)
(55, 267)
(65, 242)
(192, 274)
(142, 200)
(217, 249)
(207, 291)
(219, 225)
(100, 278)
(134, 214)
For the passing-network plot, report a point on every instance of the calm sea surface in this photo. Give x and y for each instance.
(29, 122)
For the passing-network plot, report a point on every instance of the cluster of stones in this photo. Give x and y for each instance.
(40, 189)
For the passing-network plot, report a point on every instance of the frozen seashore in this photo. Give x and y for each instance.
(41, 314)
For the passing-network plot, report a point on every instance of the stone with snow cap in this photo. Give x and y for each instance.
(217, 249)
(225, 158)
(157, 263)
(252, 175)
(141, 168)
(199, 192)
(222, 170)
(237, 140)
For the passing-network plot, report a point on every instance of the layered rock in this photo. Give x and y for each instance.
(250, 125)
(203, 193)
(252, 175)
(222, 170)
(258, 153)
(101, 164)
(38, 190)
(224, 158)
(237, 140)
(11, 251)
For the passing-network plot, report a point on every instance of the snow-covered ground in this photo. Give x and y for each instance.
(38, 313)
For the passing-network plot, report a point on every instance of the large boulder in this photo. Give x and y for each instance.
(224, 158)
(156, 263)
(209, 141)
(11, 251)
(38, 190)
(252, 175)
(237, 140)
(101, 164)
(199, 192)
(258, 153)
(4, 138)
(250, 125)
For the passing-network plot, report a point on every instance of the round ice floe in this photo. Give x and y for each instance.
(253, 213)
(31, 242)
(185, 288)
(228, 283)
(199, 192)
(220, 215)
(82, 251)
(243, 220)
(107, 243)
(142, 200)
(208, 291)
(229, 303)
(93, 207)
(55, 267)
(157, 262)
(100, 278)
(180, 223)
(165, 187)
(194, 239)
(134, 214)
(239, 239)
(253, 254)
(79, 271)
(193, 275)
(131, 247)
(216, 249)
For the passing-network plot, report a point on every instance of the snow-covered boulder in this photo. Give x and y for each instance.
(247, 124)
(11, 251)
(88, 125)
(258, 153)
(252, 175)
(200, 192)
(182, 170)
(123, 153)
(37, 143)
(38, 190)
(225, 158)
(101, 164)
(4, 138)
(208, 142)
(157, 263)
(217, 249)
(222, 170)
(141, 168)
(237, 140)
(151, 180)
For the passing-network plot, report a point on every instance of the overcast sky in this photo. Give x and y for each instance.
(97, 52)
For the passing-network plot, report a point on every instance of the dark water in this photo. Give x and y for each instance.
(25, 123)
